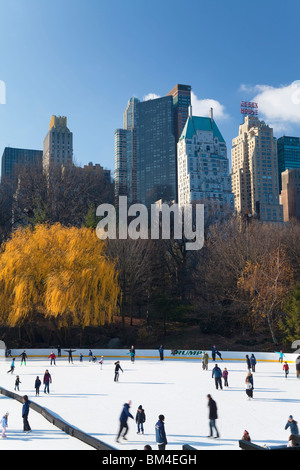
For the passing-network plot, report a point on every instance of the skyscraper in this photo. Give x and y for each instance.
(145, 159)
(288, 151)
(254, 174)
(58, 144)
(13, 159)
(203, 167)
(290, 194)
(181, 102)
(155, 150)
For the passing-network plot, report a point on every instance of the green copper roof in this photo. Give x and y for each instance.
(195, 123)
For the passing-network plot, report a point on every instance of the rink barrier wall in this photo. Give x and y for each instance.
(154, 354)
(59, 423)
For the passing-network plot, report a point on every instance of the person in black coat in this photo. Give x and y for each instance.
(140, 419)
(117, 371)
(213, 415)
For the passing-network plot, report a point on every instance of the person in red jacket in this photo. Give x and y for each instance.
(286, 369)
(52, 357)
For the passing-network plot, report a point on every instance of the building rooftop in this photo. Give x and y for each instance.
(197, 123)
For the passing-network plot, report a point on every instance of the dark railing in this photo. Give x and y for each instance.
(59, 423)
(245, 445)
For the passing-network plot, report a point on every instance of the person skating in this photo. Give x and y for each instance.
(47, 380)
(37, 385)
(23, 356)
(213, 416)
(52, 358)
(217, 375)
(70, 357)
(249, 385)
(12, 367)
(140, 419)
(225, 377)
(117, 371)
(101, 361)
(253, 362)
(58, 351)
(17, 383)
(90, 355)
(213, 353)
(4, 424)
(248, 363)
(132, 353)
(298, 367)
(286, 369)
(205, 361)
(160, 433)
(161, 352)
(25, 413)
(293, 425)
(123, 421)
(281, 355)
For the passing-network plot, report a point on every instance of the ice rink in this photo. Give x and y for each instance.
(86, 396)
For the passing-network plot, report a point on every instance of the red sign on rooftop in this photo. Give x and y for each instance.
(249, 107)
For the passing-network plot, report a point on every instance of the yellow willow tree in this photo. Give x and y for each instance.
(267, 282)
(57, 272)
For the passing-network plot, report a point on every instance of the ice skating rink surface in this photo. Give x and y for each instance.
(86, 396)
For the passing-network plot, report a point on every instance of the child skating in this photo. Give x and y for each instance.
(4, 424)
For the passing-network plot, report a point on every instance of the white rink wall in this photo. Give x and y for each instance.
(123, 354)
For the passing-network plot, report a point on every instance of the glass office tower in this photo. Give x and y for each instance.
(155, 146)
(288, 153)
(13, 159)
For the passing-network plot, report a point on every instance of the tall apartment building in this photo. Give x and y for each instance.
(13, 159)
(203, 166)
(290, 194)
(145, 159)
(288, 151)
(58, 144)
(254, 174)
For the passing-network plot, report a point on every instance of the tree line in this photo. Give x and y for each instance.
(54, 269)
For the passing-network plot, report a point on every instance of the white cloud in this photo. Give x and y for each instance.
(201, 107)
(150, 96)
(279, 107)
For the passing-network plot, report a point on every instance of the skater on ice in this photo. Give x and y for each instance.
(292, 425)
(217, 375)
(253, 362)
(25, 413)
(225, 377)
(160, 433)
(70, 357)
(47, 380)
(286, 369)
(37, 385)
(140, 419)
(117, 371)
(4, 424)
(17, 383)
(23, 356)
(12, 367)
(123, 420)
(213, 416)
(52, 358)
(205, 361)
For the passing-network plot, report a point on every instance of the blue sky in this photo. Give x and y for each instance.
(85, 58)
